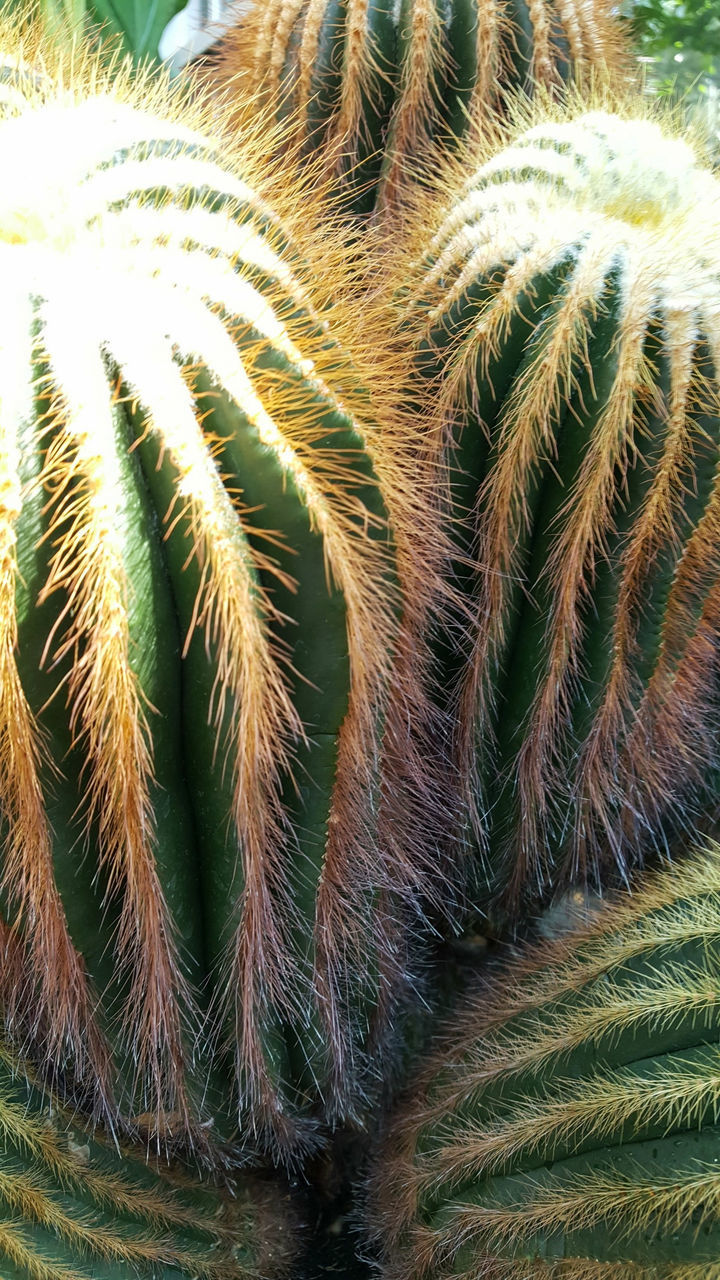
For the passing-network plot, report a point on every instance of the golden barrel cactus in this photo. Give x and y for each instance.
(202, 529)
(76, 1205)
(376, 91)
(560, 318)
(566, 1125)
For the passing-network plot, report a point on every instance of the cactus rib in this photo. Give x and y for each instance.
(574, 365)
(195, 484)
(567, 1123)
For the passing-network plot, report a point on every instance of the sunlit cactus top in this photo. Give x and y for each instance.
(565, 1126)
(197, 607)
(565, 312)
(371, 85)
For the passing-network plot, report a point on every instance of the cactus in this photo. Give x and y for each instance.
(75, 1205)
(566, 1127)
(198, 617)
(372, 86)
(561, 315)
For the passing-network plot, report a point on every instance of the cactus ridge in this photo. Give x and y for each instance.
(377, 89)
(74, 1206)
(674, 917)
(567, 1123)
(566, 333)
(193, 486)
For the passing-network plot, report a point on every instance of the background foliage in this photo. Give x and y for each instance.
(140, 23)
(662, 24)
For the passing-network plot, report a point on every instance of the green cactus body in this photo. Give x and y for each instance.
(74, 1206)
(374, 87)
(199, 614)
(566, 1127)
(565, 332)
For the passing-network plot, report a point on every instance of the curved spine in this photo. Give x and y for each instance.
(406, 83)
(567, 1123)
(580, 398)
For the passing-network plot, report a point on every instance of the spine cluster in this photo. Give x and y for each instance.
(566, 1127)
(376, 89)
(564, 331)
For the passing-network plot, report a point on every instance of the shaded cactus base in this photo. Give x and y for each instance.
(567, 1126)
(73, 1206)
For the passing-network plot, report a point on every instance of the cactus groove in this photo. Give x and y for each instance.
(566, 1128)
(565, 331)
(372, 86)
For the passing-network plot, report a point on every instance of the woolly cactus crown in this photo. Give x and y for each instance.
(566, 311)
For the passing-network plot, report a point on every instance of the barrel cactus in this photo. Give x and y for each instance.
(566, 1128)
(75, 1205)
(561, 319)
(371, 85)
(199, 615)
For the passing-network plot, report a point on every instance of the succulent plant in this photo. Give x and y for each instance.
(198, 617)
(565, 1128)
(370, 85)
(561, 311)
(134, 28)
(74, 1205)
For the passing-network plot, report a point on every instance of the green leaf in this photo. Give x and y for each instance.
(140, 22)
(72, 11)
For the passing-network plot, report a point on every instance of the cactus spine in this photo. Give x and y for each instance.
(373, 85)
(199, 613)
(563, 321)
(567, 1126)
(74, 1206)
